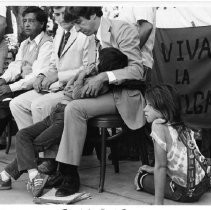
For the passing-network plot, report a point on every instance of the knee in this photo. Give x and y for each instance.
(74, 108)
(19, 137)
(14, 103)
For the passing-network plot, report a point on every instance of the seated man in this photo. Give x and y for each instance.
(125, 37)
(71, 51)
(33, 58)
(42, 135)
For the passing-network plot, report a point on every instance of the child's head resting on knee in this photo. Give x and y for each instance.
(163, 102)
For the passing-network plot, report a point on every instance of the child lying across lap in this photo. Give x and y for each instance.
(109, 59)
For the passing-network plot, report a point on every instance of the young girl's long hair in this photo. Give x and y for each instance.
(165, 99)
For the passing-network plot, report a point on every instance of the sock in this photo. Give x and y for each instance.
(67, 169)
(32, 173)
(5, 176)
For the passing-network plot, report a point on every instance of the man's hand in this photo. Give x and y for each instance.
(46, 83)
(94, 85)
(2, 82)
(37, 85)
(71, 81)
(4, 89)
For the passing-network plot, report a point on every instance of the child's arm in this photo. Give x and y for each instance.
(159, 173)
(160, 165)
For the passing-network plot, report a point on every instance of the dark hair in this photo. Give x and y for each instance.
(40, 14)
(73, 13)
(165, 99)
(111, 58)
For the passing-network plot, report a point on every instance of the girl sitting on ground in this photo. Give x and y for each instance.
(171, 177)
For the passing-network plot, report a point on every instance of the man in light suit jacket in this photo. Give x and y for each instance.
(127, 102)
(35, 105)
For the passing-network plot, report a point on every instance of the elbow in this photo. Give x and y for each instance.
(159, 168)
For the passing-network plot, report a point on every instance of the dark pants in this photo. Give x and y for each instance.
(5, 114)
(149, 187)
(34, 139)
(172, 190)
(206, 142)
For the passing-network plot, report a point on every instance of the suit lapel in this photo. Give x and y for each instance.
(71, 40)
(58, 41)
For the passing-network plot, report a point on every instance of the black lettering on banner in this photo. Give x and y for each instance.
(205, 47)
(185, 78)
(166, 57)
(192, 54)
(208, 101)
(180, 58)
(187, 104)
(198, 109)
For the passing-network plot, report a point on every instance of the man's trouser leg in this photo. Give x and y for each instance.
(5, 113)
(34, 139)
(77, 113)
(12, 169)
(32, 107)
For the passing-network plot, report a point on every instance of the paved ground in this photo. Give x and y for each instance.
(119, 188)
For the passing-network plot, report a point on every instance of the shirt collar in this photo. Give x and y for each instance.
(98, 34)
(37, 38)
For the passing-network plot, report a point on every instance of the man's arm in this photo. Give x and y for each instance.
(41, 64)
(128, 41)
(3, 25)
(144, 30)
(14, 69)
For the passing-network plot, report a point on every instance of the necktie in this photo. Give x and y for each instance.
(98, 48)
(64, 42)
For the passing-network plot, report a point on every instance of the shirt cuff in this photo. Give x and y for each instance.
(111, 77)
(14, 87)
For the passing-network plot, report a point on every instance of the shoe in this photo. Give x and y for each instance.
(54, 180)
(5, 185)
(37, 184)
(69, 186)
(48, 167)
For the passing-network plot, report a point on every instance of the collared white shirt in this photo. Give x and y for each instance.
(111, 77)
(35, 41)
(40, 65)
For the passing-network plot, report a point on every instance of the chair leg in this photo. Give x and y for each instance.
(103, 160)
(9, 137)
(114, 156)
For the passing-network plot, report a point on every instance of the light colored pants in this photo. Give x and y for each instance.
(3, 54)
(32, 107)
(77, 112)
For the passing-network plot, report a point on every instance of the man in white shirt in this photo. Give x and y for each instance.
(35, 105)
(33, 58)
